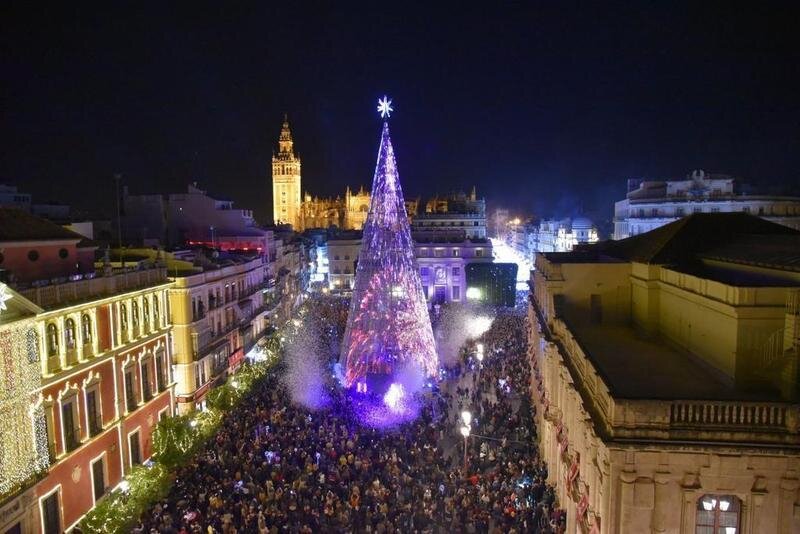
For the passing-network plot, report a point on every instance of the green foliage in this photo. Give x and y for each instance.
(175, 441)
(119, 511)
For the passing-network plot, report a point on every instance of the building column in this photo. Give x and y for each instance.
(787, 499)
(626, 480)
(662, 501)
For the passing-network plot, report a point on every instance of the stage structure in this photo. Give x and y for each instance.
(388, 327)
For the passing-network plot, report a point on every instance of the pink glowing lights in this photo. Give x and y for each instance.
(388, 325)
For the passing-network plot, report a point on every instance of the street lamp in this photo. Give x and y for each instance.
(479, 355)
(465, 430)
(466, 417)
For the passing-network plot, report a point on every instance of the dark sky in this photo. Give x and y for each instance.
(547, 108)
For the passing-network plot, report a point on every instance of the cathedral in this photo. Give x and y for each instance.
(303, 211)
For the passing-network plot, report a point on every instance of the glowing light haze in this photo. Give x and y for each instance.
(388, 326)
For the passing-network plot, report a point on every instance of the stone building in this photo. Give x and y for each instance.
(665, 378)
(89, 355)
(650, 204)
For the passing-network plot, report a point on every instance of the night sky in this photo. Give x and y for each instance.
(547, 109)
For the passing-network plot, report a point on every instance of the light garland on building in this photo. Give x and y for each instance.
(23, 436)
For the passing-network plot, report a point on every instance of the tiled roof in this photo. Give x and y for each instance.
(19, 225)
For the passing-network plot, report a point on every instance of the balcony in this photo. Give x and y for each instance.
(83, 287)
(643, 399)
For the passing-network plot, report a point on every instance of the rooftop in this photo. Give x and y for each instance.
(698, 233)
(637, 368)
(19, 225)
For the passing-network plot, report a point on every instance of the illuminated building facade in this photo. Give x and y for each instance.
(456, 216)
(650, 204)
(218, 312)
(102, 348)
(550, 235)
(303, 212)
(665, 378)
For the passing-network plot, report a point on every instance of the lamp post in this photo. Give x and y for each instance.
(465, 430)
(466, 418)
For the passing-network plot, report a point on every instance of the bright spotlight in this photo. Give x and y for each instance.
(474, 293)
(465, 431)
(466, 416)
(393, 397)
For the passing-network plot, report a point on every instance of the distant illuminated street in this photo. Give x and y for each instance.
(503, 253)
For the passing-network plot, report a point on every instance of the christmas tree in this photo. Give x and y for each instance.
(388, 327)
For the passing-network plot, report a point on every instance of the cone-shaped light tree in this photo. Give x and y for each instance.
(388, 327)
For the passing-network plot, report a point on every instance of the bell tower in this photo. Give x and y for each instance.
(286, 181)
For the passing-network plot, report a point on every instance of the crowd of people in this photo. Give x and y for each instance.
(274, 467)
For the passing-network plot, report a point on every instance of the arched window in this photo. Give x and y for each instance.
(146, 311)
(69, 334)
(52, 340)
(135, 313)
(123, 316)
(718, 514)
(86, 329)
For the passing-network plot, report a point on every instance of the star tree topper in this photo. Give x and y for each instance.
(385, 107)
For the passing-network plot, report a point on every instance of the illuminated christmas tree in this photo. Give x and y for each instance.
(388, 327)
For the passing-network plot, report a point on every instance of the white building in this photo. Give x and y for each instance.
(551, 235)
(441, 264)
(342, 257)
(650, 204)
(442, 267)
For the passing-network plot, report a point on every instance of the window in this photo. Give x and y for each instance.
(68, 420)
(425, 291)
(717, 514)
(123, 316)
(146, 312)
(478, 252)
(33, 255)
(63, 253)
(456, 253)
(456, 293)
(456, 271)
(134, 448)
(52, 340)
(135, 314)
(424, 271)
(156, 317)
(86, 329)
(347, 256)
(93, 412)
(336, 257)
(679, 212)
(51, 516)
(438, 253)
(697, 210)
(147, 392)
(641, 212)
(69, 334)
(715, 210)
(99, 478)
(130, 395)
(160, 378)
(746, 209)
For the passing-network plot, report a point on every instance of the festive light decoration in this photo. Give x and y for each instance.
(23, 436)
(4, 296)
(385, 107)
(388, 325)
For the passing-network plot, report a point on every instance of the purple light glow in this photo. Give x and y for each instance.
(393, 398)
(388, 326)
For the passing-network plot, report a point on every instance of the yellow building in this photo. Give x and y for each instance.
(286, 181)
(666, 378)
(218, 313)
(307, 211)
